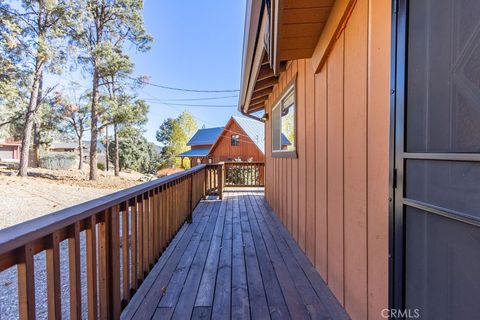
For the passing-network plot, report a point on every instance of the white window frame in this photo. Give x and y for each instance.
(276, 123)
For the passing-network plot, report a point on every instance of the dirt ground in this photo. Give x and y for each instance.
(45, 191)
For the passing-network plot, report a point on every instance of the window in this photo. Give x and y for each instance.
(235, 141)
(284, 125)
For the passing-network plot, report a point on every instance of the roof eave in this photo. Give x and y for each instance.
(253, 18)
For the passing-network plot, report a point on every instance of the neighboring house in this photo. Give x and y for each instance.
(200, 145)
(63, 147)
(10, 150)
(242, 139)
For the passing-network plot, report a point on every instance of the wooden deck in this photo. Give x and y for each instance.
(235, 260)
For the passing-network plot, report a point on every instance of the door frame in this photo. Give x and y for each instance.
(396, 232)
(398, 155)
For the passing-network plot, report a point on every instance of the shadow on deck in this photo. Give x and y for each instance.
(235, 260)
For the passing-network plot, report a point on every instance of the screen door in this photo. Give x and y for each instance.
(436, 216)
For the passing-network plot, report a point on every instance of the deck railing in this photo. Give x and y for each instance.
(125, 233)
(244, 174)
(122, 235)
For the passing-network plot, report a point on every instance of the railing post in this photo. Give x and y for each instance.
(109, 265)
(91, 244)
(115, 263)
(220, 171)
(261, 169)
(75, 272)
(53, 277)
(104, 264)
(205, 188)
(26, 283)
(190, 200)
(125, 252)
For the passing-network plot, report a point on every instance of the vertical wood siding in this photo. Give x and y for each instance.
(334, 197)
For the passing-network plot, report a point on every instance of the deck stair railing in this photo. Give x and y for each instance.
(122, 235)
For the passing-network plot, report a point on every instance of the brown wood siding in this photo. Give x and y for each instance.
(334, 197)
(224, 151)
(201, 146)
(194, 160)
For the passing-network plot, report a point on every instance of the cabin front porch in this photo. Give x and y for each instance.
(235, 260)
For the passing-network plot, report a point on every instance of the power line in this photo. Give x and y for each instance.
(197, 118)
(194, 99)
(205, 121)
(181, 89)
(195, 105)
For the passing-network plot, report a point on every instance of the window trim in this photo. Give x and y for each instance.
(292, 85)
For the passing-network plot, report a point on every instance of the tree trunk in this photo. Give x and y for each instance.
(107, 154)
(27, 128)
(80, 153)
(117, 151)
(36, 140)
(93, 126)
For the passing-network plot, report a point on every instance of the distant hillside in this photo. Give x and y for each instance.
(159, 148)
(100, 145)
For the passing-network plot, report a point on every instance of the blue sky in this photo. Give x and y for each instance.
(198, 45)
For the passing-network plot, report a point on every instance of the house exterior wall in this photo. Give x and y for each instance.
(333, 198)
(224, 151)
(201, 146)
(194, 160)
(10, 151)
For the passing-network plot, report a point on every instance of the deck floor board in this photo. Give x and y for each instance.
(235, 261)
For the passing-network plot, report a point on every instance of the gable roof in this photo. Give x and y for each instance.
(206, 136)
(254, 129)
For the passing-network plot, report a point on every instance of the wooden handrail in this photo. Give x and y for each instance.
(125, 232)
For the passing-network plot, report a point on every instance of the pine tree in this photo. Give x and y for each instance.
(35, 33)
(75, 113)
(105, 24)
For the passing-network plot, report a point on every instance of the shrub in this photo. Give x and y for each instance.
(101, 166)
(58, 161)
